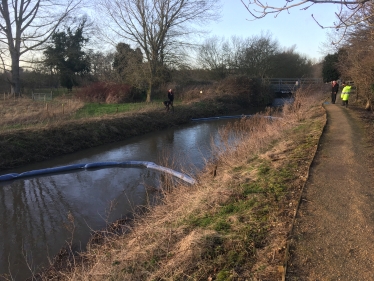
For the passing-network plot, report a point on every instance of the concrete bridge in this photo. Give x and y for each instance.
(290, 85)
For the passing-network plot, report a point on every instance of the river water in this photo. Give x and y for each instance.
(39, 215)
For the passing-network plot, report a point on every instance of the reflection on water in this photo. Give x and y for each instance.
(34, 212)
(34, 222)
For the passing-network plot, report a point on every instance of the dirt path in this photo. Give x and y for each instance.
(333, 235)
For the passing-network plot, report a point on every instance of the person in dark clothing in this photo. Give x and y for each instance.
(334, 91)
(171, 96)
(169, 103)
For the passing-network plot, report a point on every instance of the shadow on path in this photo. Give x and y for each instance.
(333, 235)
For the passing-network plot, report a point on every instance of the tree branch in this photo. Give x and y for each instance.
(257, 9)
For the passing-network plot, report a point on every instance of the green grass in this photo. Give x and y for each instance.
(100, 109)
(242, 223)
(97, 109)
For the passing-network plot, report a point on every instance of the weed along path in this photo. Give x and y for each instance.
(333, 234)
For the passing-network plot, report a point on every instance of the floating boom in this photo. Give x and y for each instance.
(98, 165)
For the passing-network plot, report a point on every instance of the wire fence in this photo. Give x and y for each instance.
(42, 96)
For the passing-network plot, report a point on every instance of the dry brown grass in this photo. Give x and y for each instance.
(25, 111)
(194, 235)
(16, 113)
(55, 137)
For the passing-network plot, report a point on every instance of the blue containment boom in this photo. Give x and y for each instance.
(231, 117)
(98, 165)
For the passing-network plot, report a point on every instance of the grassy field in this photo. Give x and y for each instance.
(95, 109)
(232, 225)
(25, 112)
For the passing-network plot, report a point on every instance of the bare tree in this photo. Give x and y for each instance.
(250, 56)
(158, 27)
(102, 65)
(256, 55)
(348, 9)
(290, 64)
(25, 25)
(212, 55)
(356, 57)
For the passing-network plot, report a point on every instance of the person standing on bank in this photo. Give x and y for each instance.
(171, 98)
(334, 91)
(345, 94)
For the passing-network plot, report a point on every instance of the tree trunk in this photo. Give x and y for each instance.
(14, 49)
(152, 74)
(15, 82)
(150, 91)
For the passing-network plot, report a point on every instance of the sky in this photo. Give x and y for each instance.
(294, 28)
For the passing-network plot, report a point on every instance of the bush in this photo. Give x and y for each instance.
(108, 93)
(249, 91)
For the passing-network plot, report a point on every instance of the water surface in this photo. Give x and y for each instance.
(38, 216)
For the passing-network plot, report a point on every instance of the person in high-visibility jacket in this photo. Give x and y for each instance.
(345, 94)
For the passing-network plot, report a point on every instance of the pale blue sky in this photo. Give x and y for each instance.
(294, 28)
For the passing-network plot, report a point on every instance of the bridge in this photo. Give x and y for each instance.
(290, 85)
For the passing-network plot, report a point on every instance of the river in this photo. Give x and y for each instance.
(39, 215)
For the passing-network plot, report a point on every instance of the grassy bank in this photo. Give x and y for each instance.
(32, 131)
(33, 137)
(232, 224)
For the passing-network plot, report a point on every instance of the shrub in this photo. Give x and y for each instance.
(249, 91)
(107, 93)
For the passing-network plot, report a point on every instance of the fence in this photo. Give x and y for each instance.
(42, 96)
(8, 96)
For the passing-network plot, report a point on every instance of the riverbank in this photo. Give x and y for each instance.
(233, 223)
(23, 146)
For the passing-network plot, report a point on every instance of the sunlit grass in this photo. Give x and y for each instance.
(25, 113)
(97, 109)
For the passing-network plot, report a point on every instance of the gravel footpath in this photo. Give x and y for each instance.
(333, 234)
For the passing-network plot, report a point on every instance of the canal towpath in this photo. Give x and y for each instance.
(333, 232)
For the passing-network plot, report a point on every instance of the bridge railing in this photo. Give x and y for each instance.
(290, 85)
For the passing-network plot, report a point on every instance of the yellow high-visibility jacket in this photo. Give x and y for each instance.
(345, 92)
